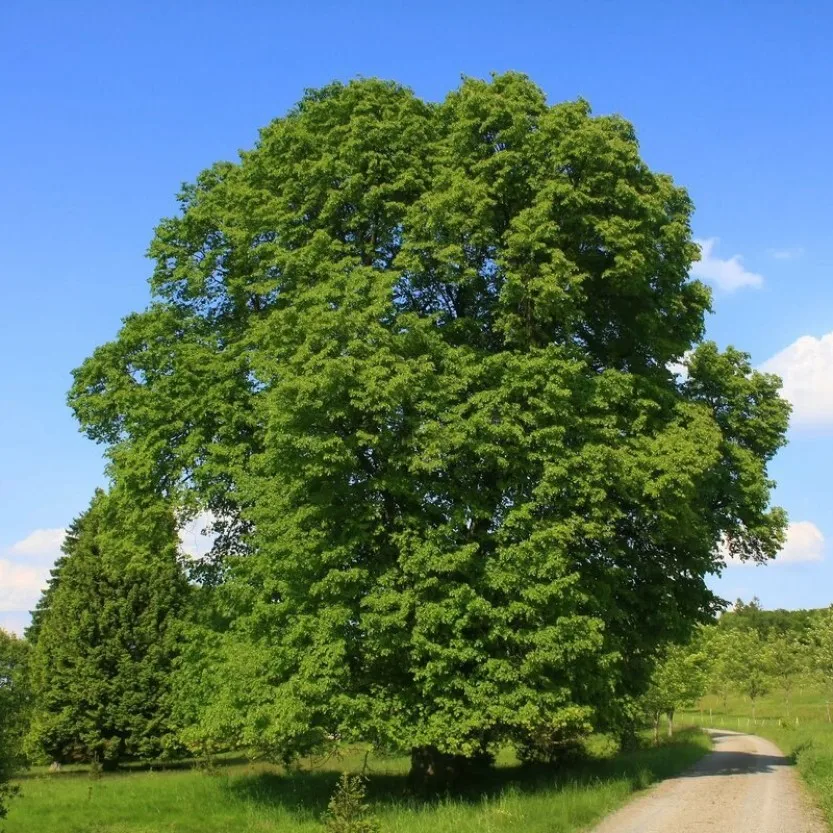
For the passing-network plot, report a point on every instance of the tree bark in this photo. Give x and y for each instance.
(432, 769)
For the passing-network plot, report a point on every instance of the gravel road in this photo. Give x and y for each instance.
(745, 785)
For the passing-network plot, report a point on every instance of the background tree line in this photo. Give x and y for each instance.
(748, 651)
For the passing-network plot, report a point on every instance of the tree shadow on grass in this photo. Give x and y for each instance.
(307, 793)
(132, 767)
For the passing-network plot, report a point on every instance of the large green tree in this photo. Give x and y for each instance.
(414, 358)
(105, 639)
(15, 704)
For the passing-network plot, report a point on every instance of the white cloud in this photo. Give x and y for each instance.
(20, 585)
(806, 366)
(805, 543)
(25, 566)
(195, 536)
(41, 542)
(680, 368)
(24, 571)
(792, 253)
(728, 274)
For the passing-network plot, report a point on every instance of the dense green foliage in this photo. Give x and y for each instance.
(261, 798)
(104, 636)
(414, 358)
(15, 703)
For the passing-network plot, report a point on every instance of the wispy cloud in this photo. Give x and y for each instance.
(727, 274)
(806, 366)
(792, 253)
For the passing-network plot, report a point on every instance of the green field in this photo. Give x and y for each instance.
(260, 797)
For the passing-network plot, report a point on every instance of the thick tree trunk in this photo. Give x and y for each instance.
(431, 768)
(628, 737)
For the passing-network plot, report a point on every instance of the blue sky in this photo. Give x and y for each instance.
(108, 107)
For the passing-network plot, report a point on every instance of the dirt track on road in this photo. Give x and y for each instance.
(745, 785)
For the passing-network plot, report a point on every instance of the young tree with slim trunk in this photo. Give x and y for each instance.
(415, 357)
(717, 646)
(749, 664)
(678, 680)
(787, 660)
(102, 658)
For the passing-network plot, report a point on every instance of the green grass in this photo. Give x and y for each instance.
(801, 730)
(245, 798)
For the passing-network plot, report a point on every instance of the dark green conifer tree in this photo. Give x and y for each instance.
(104, 636)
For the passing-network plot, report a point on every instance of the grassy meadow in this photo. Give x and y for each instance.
(255, 797)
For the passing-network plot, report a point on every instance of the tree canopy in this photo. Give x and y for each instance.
(415, 359)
